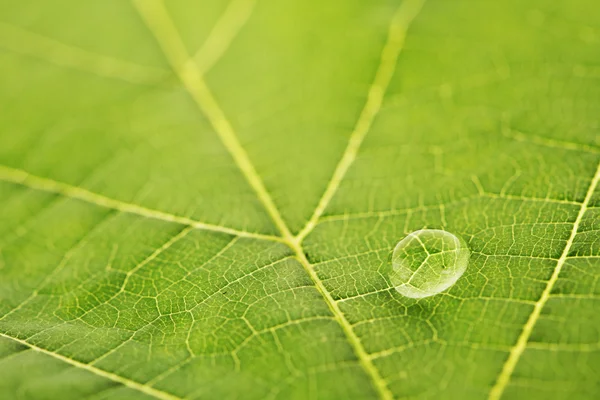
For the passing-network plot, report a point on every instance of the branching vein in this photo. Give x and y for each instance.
(521, 344)
(389, 56)
(225, 30)
(158, 21)
(159, 394)
(156, 17)
(24, 178)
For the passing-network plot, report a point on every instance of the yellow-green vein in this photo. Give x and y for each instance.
(159, 22)
(159, 394)
(156, 17)
(387, 66)
(21, 41)
(13, 175)
(223, 33)
(521, 344)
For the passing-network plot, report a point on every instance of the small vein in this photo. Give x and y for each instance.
(521, 344)
(547, 200)
(396, 212)
(18, 176)
(549, 142)
(21, 41)
(164, 247)
(237, 281)
(579, 347)
(401, 21)
(60, 266)
(159, 394)
(158, 21)
(160, 24)
(225, 30)
(363, 357)
(505, 196)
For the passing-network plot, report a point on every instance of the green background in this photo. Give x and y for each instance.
(221, 227)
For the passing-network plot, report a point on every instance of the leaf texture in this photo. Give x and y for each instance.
(199, 200)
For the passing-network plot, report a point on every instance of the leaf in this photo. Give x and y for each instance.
(199, 201)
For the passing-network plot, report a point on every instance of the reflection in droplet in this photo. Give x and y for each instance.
(427, 262)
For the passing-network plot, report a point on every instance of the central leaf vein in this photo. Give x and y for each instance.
(157, 19)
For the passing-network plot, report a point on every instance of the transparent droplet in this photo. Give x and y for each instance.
(427, 262)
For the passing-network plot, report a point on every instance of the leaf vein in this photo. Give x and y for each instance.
(13, 175)
(159, 23)
(521, 344)
(24, 42)
(401, 21)
(159, 394)
(225, 30)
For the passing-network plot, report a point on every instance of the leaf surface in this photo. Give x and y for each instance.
(199, 201)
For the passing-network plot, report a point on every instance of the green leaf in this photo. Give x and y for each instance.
(200, 200)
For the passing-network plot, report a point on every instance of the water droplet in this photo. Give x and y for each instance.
(427, 262)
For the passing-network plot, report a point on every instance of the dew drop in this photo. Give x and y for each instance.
(427, 262)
